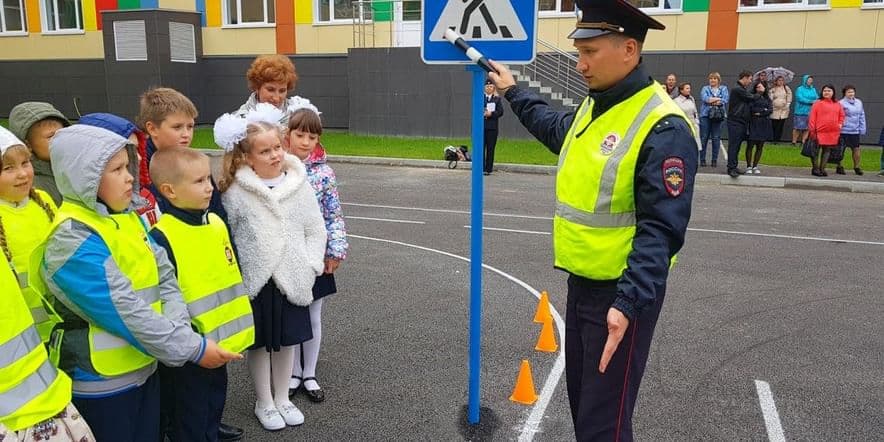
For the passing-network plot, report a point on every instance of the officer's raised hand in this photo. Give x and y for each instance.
(503, 78)
(216, 356)
(617, 325)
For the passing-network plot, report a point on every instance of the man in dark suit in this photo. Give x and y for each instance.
(493, 111)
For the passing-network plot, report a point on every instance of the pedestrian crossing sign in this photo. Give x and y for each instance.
(502, 30)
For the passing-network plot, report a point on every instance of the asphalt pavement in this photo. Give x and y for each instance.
(772, 320)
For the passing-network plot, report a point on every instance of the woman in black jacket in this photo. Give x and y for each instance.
(760, 126)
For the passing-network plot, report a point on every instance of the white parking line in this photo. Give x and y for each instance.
(532, 424)
(769, 410)
(403, 221)
(773, 235)
(423, 209)
(497, 229)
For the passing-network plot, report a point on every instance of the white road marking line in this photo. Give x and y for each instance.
(769, 410)
(690, 229)
(773, 235)
(403, 221)
(423, 209)
(497, 229)
(532, 424)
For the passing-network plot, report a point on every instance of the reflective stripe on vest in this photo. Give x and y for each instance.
(126, 239)
(595, 205)
(31, 388)
(210, 282)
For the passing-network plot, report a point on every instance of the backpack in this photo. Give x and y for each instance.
(454, 154)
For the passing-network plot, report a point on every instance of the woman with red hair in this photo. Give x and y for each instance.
(271, 79)
(824, 125)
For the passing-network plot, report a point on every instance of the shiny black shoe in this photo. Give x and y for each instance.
(292, 391)
(315, 396)
(229, 433)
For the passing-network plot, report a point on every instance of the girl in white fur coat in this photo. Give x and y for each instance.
(280, 237)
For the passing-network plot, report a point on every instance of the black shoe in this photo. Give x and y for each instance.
(840, 170)
(292, 391)
(714, 163)
(314, 395)
(815, 172)
(858, 171)
(733, 173)
(229, 433)
(823, 172)
(702, 164)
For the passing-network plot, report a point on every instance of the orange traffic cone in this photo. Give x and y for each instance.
(542, 312)
(547, 339)
(524, 392)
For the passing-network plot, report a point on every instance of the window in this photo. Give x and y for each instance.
(249, 12)
(338, 10)
(62, 15)
(12, 16)
(873, 4)
(651, 6)
(783, 4)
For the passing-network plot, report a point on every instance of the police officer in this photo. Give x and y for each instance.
(627, 160)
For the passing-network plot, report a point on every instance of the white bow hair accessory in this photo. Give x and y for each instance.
(295, 103)
(7, 140)
(230, 129)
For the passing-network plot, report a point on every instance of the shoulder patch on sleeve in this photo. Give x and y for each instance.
(663, 126)
(673, 176)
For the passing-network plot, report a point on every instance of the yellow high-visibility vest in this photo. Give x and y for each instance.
(210, 281)
(594, 222)
(126, 238)
(31, 388)
(26, 227)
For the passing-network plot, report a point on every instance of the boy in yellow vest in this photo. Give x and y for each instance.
(199, 249)
(114, 289)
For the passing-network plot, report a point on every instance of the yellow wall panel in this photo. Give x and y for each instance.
(690, 31)
(213, 13)
(756, 30)
(248, 41)
(47, 47)
(180, 5)
(303, 12)
(90, 21)
(683, 31)
(845, 3)
(879, 34)
(32, 9)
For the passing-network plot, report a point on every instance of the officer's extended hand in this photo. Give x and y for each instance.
(617, 325)
(503, 78)
(215, 356)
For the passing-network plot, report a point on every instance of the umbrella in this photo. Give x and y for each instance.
(774, 72)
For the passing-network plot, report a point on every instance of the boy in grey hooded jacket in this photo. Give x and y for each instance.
(83, 269)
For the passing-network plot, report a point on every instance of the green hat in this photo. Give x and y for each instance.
(26, 114)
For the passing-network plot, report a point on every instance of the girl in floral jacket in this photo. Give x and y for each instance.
(305, 128)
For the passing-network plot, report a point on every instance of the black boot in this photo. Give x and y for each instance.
(229, 433)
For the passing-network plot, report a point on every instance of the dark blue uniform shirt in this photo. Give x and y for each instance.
(661, 218)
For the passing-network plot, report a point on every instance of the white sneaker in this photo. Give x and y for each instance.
(290, 413)
(270, 418)
(757, 170)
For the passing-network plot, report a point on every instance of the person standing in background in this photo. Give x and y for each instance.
(493, 112)
(781, 98)
(854, 126)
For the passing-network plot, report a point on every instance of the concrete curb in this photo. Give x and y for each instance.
(705, 178)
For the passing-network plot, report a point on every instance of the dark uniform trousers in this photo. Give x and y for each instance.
(193, 402)
(602, 404)
(131, 416)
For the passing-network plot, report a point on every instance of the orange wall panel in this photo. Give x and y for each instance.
(721, 30)
(285, 39)
(722, 5)
(32, 8)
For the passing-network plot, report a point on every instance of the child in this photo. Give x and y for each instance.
(305, 128)
(35, 398)
(146, 206)
(275, 222)
(25, 217)
(167, 116)
(110, 283)
(199, 249)
(36, 122)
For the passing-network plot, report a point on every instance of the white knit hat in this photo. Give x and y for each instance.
(7, 140)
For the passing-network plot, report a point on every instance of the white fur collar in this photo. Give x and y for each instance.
(295, 177)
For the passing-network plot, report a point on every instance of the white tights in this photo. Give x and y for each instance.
(276, 366)
(310, 348)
